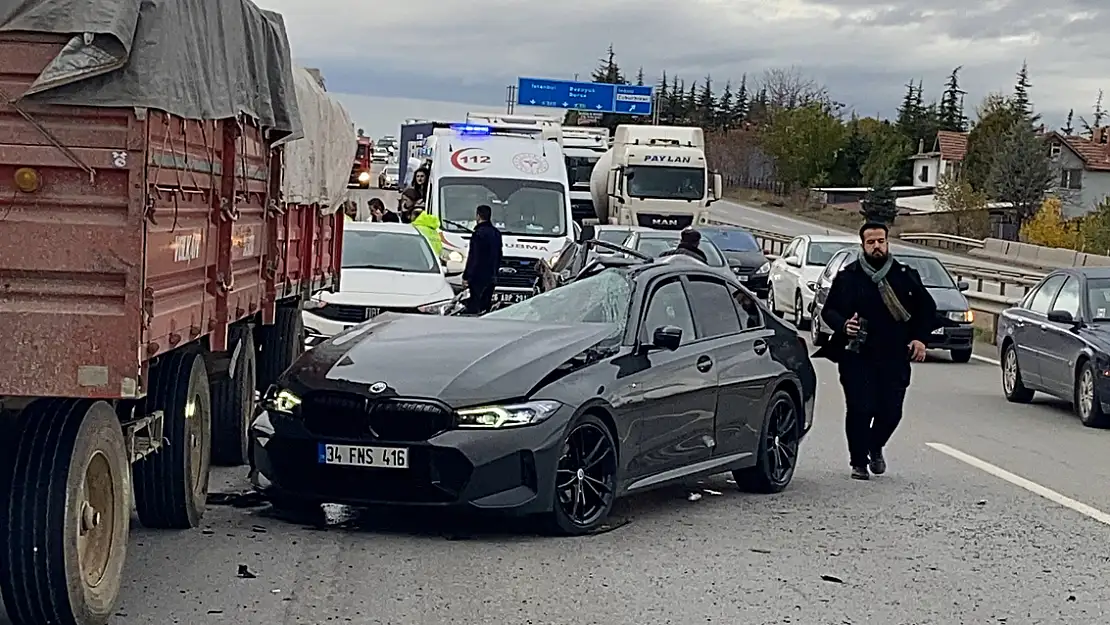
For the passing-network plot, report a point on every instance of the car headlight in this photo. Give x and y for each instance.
(453, 256)
(364, 176)
(963, 316)
(507, 416)
(554, 259)
(435, 308)
(764, 268)
(280, 400)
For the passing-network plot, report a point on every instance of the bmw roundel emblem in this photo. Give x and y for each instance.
(378, 387)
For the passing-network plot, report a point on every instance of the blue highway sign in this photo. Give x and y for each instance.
(595, 97)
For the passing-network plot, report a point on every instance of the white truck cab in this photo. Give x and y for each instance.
(583, 147)
(655, 177)
(518, 170)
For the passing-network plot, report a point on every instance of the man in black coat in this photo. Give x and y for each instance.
(482, 263)
(689, 243)
(881, 315)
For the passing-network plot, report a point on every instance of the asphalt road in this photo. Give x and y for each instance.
(939, 540)
(761, 219)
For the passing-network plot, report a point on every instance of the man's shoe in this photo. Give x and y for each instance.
(860, 473)
(878, 463)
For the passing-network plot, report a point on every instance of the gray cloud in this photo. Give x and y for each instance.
(865, 50)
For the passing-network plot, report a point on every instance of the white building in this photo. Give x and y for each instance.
(946, 156)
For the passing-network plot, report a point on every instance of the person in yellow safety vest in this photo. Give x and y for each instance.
(428, 225)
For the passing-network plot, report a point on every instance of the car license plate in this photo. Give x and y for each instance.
(510, 298)
(743, 278)
(362, 456)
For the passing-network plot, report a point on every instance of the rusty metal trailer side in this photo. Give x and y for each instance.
(145, 232)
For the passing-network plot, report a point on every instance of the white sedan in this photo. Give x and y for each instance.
(387, 267)
(794, 274)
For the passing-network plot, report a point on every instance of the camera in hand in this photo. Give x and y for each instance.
(857, 341)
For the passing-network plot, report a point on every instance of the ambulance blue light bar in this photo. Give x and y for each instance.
(472, 129)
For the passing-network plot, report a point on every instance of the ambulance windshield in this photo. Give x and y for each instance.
(520, 207)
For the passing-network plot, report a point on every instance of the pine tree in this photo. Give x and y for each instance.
(640, 77)
(881, 204)
(1021, 92)
(675, 100)
(662, 96)
(1096, 118)
(1067, 129)
(724, 108)
(608, 71)
(950, 113)
(907, 112)
(707, 103)
(740, 105)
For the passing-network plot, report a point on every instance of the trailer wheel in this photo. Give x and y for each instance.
(63, 539)
(233, 401)
(280, 344)
(171, 485)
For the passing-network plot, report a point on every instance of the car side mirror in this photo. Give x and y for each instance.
(963, 285)
(794, 261)
(666, 337)
(1060, 316)
(588, 233)
(716, 192)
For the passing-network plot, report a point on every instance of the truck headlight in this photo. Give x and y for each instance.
(962, 316)
(511, 415)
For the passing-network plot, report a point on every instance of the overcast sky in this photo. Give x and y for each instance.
(412, 57)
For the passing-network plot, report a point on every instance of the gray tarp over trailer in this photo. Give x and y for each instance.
(198, 59)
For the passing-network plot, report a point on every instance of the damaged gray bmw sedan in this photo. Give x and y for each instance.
(624, 380)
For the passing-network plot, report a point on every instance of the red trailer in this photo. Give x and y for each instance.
(151, 280)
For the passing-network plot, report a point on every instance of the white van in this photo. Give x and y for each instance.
(519, 171)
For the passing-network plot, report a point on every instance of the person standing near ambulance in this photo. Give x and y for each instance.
(482, 262)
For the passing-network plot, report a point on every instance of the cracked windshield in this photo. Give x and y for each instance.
(366, 359)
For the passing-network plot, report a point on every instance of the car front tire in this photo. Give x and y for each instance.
(961, 355)
(585, 478)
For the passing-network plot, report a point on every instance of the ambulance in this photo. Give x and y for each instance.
(517, 169)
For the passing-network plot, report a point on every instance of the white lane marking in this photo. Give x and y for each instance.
(1021, 482)
(989, 361)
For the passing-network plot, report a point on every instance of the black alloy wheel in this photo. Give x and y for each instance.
(777, 456)
(585, 478)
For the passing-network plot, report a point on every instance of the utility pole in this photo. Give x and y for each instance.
(510, 99)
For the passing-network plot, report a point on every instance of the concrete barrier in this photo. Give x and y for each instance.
(1038, 256)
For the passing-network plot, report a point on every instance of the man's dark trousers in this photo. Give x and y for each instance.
(480, 300)
(874, 392)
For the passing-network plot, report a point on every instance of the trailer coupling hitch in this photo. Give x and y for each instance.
(144, 436)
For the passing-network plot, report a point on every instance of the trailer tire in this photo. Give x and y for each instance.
(63, 539)
(280, 344)
(171, 485)
(233, 400)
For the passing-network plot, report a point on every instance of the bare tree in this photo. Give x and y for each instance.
(1021, 173)
(789, 88)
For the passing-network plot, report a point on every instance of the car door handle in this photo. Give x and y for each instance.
(759, 346)
(705, 363)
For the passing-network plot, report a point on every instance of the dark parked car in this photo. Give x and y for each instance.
(1057, 341)
(654, 243)
(626, 379)
(954, 332)
(743, 254)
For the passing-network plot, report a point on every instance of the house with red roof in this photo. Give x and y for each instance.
(949, 150)
(1084, 169)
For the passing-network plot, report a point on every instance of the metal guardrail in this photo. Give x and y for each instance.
(1011, 285)
(1007, 283)
(942, 241)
